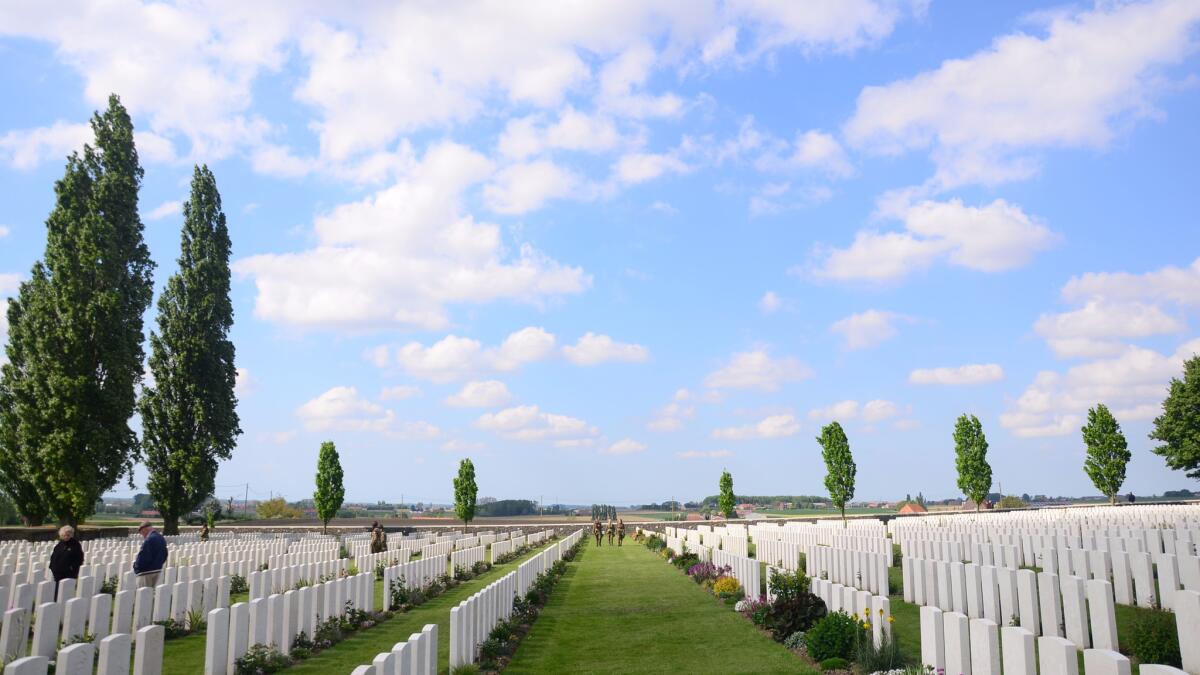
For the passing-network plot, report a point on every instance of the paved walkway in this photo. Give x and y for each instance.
(625, 610)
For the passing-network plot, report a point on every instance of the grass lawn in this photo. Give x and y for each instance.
(625, 610)
(185, 656)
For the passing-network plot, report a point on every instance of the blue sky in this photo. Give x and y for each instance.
(607, 251)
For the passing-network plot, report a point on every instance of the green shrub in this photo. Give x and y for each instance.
(261, 659)
(465, 669)
(237, 584)
(788, 585)
(1155, 638)
(799, 613)
(832, 636)
(836, 663)
(885, 657)
(795, 642)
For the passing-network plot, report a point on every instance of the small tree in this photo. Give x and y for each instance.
(970, 451)
(1107, 452)
(330, 491)
(465, 491)
(277, 507)
(839, 466)
(1178, 427)
(726, 499)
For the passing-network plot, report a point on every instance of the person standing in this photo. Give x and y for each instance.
(151, 559)
(67, 556)
(598, 533)
(620, 531)
(612, 529)
(204, 532)
(378, 538)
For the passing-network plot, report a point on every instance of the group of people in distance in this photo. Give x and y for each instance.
(67, 556)
(599, 530)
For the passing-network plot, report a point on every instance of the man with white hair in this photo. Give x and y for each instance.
(151, 559)
(67, 557)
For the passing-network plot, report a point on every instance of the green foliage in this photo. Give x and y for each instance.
(832, 637)
(1107, 452)
(726, 499)
(189, 415)
(794, 609)
(727, 587)
(835, 663)
(1011, 502)
(872, 659)
(465, 669)
(465, 491)
(110, 586)
(839, 465)
(75, 339)
(970, 458)
(261, 659)
(1178, 427)
(278, 507)
(509, 507)
(237, 584)
(330, 491)
(173, 629)
(1155, 638)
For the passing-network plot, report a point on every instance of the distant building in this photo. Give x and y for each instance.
(745, 507)
(912, 507)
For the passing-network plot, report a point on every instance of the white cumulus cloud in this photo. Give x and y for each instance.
(482, 394)
(971, 373)
(592, 349)
(757, 370)
(775, 426)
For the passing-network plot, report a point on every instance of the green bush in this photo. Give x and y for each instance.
(787, 617)
(788, 585)
(836, 663)
(832, 636)
(465, 669)
(261, 659)
(796, 641)
(1155, 638)
(237, 584)
(872, 659)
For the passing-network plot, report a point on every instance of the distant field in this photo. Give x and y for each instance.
(822, 512)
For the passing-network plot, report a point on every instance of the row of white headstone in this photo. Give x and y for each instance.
(418, 573)
(467, 557)
(860, 569)
(417, 656)
(745, 570)
(110, 656)
(951, 642)
(473, 619)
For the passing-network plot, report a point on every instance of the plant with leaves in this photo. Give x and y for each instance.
(1178, 427)
(80, 329)
(839, 466)
(18, 396)
(970, 458)
(330, 491)
(725, 500)
(1107, 452)
(465, 491)
(189, 415)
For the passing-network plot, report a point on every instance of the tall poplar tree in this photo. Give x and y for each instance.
(16, 398)
(1107, 452)
(1178, 427)
(189, 415)
(970, 458)
(465, 491)
(840, 469)
(725, 499)
(331, 491)
(81, 328)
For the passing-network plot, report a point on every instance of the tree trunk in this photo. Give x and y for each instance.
(844, 524)
(1112, 499)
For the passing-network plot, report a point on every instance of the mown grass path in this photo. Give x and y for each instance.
(625, 610)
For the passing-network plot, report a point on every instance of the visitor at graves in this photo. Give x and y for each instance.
(151, 558)
(67, 557)
(378, 538)
(598, 532)
(204, 532)
(612, 529)
(620, 531)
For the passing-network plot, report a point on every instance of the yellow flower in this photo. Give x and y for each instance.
(891, 620)
(866, 625)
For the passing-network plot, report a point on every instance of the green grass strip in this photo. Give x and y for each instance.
(625, 610)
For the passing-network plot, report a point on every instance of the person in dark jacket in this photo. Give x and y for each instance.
(151, 559)
(67, 557)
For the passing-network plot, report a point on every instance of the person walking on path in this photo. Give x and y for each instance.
(67, 557)
(151, 559)
(620, 531)
(612, 529)
(598, 532)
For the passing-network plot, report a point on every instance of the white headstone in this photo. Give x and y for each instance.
(1017, 647)
(1075, 616)
(1057, 655)
(1102, 615)
(28, 665)
(933, 651)
(45, 630)
(216, 642)
(985, 647)
(1105, 662)
(14, 634)
(958, 643)
(148, 651)
(75, 659)
(115, 651)
(1187, 622)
